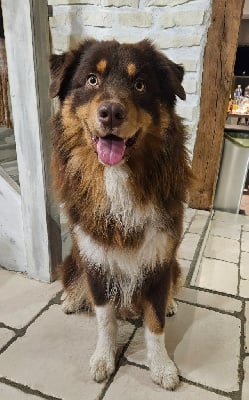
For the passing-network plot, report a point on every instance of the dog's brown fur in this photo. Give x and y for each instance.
(157, 162)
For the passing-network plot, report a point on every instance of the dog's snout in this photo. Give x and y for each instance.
(111, 115)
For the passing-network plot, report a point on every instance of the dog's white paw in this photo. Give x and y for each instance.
(69, 306)
(102, 365)
(165, 374)
(171, 308)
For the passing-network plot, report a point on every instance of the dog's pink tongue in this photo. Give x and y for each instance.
(110, 151)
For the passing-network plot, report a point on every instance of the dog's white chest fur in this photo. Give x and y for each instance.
(125, 265)
(123, 206)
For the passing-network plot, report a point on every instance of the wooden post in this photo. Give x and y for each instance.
(27, 46)
(218, 68)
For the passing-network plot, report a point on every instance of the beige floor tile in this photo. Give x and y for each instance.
(132, 383)
(5, 336)
(245, 228)
(204, 344)
(200, 297)
(231, 218)
(245, 387)
(189, 214)
(230, 231)
(11, 393)
(54, 354)
(22, 298)
(222, 249)
(218, 275)
(198, 224)
(244, 288)
(244, 265)
(245, 241)
(185, 266)
(188, 246)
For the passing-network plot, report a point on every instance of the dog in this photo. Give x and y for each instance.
(121, 170)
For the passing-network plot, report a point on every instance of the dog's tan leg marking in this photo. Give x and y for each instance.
(76, 297)
(163, 370)
(102, 363)
(171, 308)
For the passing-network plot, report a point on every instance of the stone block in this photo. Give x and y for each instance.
(53, 356)
(119, 3)
(204, 344)
(165, 2)
(137, 19)
(21, 299)
(135, 383)
(5, 336)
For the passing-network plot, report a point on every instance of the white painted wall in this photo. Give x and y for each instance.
(12, 248)
(178, 27)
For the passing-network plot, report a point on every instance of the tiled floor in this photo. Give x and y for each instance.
(44, 353)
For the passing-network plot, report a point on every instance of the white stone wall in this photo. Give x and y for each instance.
(178, 27)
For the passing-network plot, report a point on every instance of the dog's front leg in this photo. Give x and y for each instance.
(163, 369)
(102, 363)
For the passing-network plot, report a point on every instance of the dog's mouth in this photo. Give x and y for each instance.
(111, 148)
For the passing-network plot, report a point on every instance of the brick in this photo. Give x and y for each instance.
(120, 3)
(101, 19)
(165, 2)
(137, 19)
(167, 20)
(186, 111)
(181, 39)
(181, 18)
(65, 2)
(190, 85)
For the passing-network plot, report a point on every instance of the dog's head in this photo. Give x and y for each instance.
(119, 93)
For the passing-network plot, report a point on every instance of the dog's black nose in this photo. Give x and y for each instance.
(111, 115)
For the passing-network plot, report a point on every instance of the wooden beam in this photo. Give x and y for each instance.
(27, 45)
(217, 78)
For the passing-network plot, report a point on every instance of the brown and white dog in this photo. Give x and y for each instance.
(121, 169)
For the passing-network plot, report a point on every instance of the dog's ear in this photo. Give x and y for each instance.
(176, 72)
(62, 68)
(172, 75)
(59, 65)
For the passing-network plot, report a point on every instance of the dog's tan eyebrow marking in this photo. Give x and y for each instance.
(101, 66)
(131, 68)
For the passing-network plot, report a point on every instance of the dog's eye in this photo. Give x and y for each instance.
(92, 80)
(139, 85)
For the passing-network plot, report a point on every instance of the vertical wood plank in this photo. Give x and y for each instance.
(27, 46)
(218, 68)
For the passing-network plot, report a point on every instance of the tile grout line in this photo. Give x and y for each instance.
(27, 389)
(212, 291)
(195, 262)
(242, 357)
(185, 380)
(22, 331)
(119, 364)
(240, 254)
(235, 314)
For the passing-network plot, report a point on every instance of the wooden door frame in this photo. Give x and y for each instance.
(219, 59)
(27, 46)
